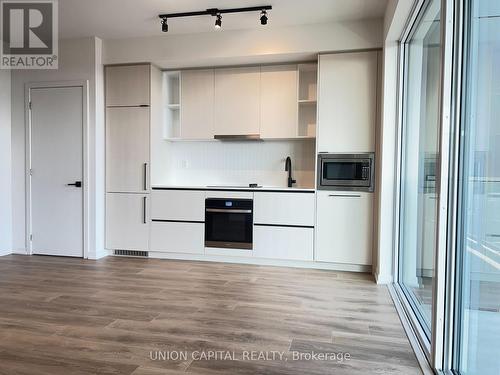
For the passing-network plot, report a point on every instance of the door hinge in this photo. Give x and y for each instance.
(31, 172)
(29, 105)
(31, 237)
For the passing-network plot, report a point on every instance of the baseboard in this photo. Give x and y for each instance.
(103, 253)
(262, 261)
(382, 279)
(5, 252)
(20, 252)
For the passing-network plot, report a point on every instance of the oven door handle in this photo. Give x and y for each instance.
(225, 210)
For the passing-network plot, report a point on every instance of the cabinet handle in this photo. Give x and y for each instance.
(144, 212)
(345, 195)
(145, 176)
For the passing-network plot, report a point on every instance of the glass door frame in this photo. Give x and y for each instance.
(438, 346)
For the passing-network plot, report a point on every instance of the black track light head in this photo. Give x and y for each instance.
(164, 25)
(263, 17)
(218, 21)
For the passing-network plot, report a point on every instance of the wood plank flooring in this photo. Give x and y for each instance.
(120, 315)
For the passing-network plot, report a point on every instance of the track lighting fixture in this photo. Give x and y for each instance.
(164, 25)
(218, 21)
(263, 17)
(214, 12)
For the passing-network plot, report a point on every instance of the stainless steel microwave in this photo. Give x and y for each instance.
(346, 172)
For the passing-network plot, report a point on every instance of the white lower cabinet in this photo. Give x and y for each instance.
(178, 237)
(290, 243)
(344, 227)
(127, 221)
(178, 205)
(284, 208)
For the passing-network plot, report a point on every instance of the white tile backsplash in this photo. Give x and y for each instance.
(202, 163)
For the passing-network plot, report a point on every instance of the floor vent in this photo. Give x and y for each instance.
(131, 253)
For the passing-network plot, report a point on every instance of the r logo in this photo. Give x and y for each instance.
(29, 34)
(27, 28)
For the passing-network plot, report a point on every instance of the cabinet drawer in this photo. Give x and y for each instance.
(178, 237)
(229, 194)
(284, 208)
(283, 242)
(182, 205)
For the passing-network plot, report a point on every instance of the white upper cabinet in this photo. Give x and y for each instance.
(127, 149)
(128, 85)
(278, 101)
(197, 104)
(347, 102)
(237, 101)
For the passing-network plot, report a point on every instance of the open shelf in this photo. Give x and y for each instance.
(307, 100)
(172, 103)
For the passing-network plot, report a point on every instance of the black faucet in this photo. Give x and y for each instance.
(288, 168)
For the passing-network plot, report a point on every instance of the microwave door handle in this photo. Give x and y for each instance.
(365, 172)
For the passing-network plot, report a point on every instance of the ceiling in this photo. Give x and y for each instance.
(116, 19)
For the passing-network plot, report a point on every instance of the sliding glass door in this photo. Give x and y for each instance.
(448, 247)
(419, 162)
(478, 250)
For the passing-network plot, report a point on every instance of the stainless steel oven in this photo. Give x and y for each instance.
(346, 172)
(229, 223)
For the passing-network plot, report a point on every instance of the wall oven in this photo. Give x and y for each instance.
(229, 223)
(346, 172)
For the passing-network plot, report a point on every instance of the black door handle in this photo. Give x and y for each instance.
(76, 184)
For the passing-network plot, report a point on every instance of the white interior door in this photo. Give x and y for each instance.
(56, 162)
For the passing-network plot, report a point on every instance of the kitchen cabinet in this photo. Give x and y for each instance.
(237, 101)
(347, 102)
(127, 85)
(278, 101)
(178, 237)
(344, 227)
(284, 208)
(127, 221)
(181, 205)
(283, 243)
(127, 149)
(197, 104)
(133, 108)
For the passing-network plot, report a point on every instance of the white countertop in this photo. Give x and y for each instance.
(227, 187)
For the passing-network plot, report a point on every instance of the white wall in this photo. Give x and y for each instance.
(397, 13)
(235, 163)
(5, 164)
(79, 59)
(246, 46)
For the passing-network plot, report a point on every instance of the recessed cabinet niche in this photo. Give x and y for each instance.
(308, 78)
(172, 104)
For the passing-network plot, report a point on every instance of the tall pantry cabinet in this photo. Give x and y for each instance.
(347, 121)
(131, 96)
